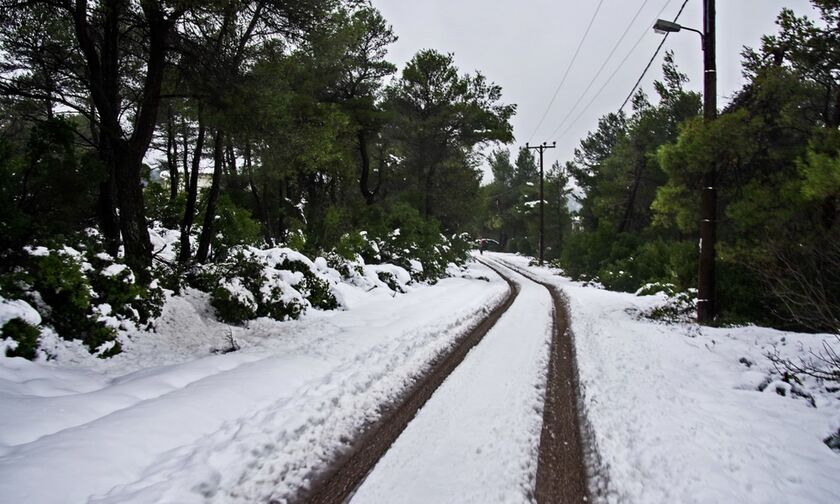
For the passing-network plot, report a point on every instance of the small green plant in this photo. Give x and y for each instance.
(313, 288)
(679, 307)
(232, 307)
(25, 334)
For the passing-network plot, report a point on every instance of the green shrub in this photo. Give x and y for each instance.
(356, 244)
(48, 187)
(59, 281)
(231, 308)
(679, 307)
(296, 240)
(69, 288)
(159, 206)
(249, 289)
(234, 226)
(115, 284)
(277, 307)
(26, 336)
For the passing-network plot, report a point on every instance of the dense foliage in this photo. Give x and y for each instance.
(229, 128)
(776, 148)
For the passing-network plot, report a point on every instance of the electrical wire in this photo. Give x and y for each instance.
(601, 69)
(612, 75)
(568, 69)
(652, 59)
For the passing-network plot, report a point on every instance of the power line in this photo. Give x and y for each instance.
(652, 59)
(604, 65)
(589, 86)
(612, 75)
(568, 69)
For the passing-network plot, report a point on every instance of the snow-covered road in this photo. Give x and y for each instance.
(477, 439)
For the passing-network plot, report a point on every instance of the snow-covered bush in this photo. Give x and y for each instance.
(402, 237)
(277, 283)
(233, 302)
(81, 293)
(25, 336)
(678, 306)
(315, 289)
(424, 253)
(390, 280)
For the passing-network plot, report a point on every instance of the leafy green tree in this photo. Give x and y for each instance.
(620, 175)
(441, 116)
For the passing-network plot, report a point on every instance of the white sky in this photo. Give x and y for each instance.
(525, 46)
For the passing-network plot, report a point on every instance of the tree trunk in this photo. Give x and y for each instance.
(172, 157)
(364, 178)
(133, 225)
(192, 193)
(206, 237)
(106, 211)
(124, 158)
(624, 225)
(233, 181)
(231, 159)
(265, 221)
(185, 139)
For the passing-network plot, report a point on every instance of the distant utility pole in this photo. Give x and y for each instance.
(542, 149)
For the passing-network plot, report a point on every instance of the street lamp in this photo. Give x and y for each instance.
(663, 26)
(706, 308)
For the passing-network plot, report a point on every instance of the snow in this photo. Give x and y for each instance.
(37, 251)
(416, 265)
(17, 308)
(677, 414)
(169, 421)
(239, 292)
(114, 270)
(477, 438)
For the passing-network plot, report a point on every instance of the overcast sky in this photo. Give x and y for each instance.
(526, 45)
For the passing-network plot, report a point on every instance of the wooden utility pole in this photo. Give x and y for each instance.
(542, 149)
(706, 302)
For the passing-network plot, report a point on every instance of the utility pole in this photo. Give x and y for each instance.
(706, 302)
(706, 299)
(542, 149)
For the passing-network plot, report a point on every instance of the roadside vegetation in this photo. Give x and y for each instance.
(776, 145)
(248, 150)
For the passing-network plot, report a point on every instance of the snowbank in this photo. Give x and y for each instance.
(175, 419)
(682, 413)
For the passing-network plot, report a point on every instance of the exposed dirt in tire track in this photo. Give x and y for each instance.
(337, 483)
(562, 469)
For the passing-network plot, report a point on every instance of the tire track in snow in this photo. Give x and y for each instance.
(338, 483)
(565, 461)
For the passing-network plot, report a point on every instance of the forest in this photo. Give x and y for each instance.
(233, 127)
(231, 124)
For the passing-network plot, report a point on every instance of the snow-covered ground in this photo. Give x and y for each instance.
(476, 440)
(677, 413)
(168, 421)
